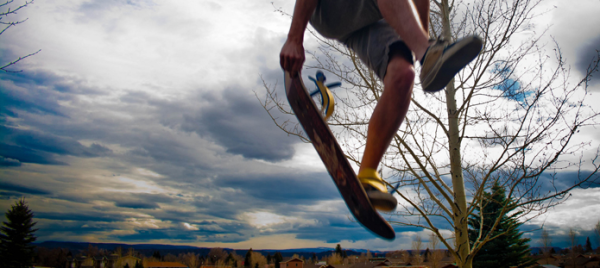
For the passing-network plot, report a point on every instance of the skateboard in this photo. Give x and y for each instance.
(317, 130)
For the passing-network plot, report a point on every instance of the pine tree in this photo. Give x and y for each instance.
(277, 258)
(338, 250)
(156, 255)
(314, 258)
(588, 245)
(506, 250)
(16, 237)
(138, 264)
(229, 259)
(248, 259)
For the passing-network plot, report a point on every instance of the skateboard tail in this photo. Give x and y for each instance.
(334, 159)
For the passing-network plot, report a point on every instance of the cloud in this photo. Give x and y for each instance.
(235, 120)
(9, 186)
(299, 189)
(52, 144)
(26, 155)
(587, 53)
(138, 200)
(578, 46)
(134, 204)
(9, 162)
(81, 216)
(39, 92)
(28, 146)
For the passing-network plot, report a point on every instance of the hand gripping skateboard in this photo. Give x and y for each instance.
(332, 155)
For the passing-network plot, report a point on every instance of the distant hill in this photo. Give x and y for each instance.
(149, 249)
(538, 250)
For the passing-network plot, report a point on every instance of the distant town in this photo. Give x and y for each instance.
(103, 255)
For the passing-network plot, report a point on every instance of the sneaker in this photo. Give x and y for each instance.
(377, 191)
(441, 62)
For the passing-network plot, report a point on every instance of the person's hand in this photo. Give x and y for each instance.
(291, 57)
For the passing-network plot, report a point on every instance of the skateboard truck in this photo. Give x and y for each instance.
(327, 101)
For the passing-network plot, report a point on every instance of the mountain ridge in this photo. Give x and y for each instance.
(148, 249)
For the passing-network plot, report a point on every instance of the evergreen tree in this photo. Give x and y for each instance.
(314, 258)
(268, 258)
(338, 250)
(229, 258)
(277, 258)
(507, 250)
(588, 245)
(138, 264)
(16, 237)
(156, 255)
(248, 259)
(126, 265)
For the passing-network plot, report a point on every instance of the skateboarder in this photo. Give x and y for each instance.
(387, 35)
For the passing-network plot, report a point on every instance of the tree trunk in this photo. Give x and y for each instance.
(459, 208)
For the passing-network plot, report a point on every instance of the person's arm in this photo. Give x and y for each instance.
(292, 56)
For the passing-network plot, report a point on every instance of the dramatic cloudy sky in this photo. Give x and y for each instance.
(138, 123)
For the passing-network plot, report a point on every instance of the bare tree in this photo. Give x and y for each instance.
(5, 12)
(259, 259)
(405, 256)
(335, 259)
(91, 251)
(547, 245)
(170, 258)
(512, 117)
(436, 254)
(119, 251)
(217, 254)
(573, 250)
(396, 254)
(597, 233)
(190, 259)
(417, 244)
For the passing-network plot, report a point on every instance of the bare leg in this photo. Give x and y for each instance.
(423, 11)
(390, 110)
(400, 14)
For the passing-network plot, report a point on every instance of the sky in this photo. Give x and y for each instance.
(138, 122)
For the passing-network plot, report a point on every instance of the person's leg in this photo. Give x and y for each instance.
(390, 110)
(401, 16)
(423, 11)
(440, 61)
(383, 125)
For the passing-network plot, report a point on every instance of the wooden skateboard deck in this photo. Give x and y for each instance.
(334, 159)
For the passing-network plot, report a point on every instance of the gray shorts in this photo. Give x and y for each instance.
(358, 24)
